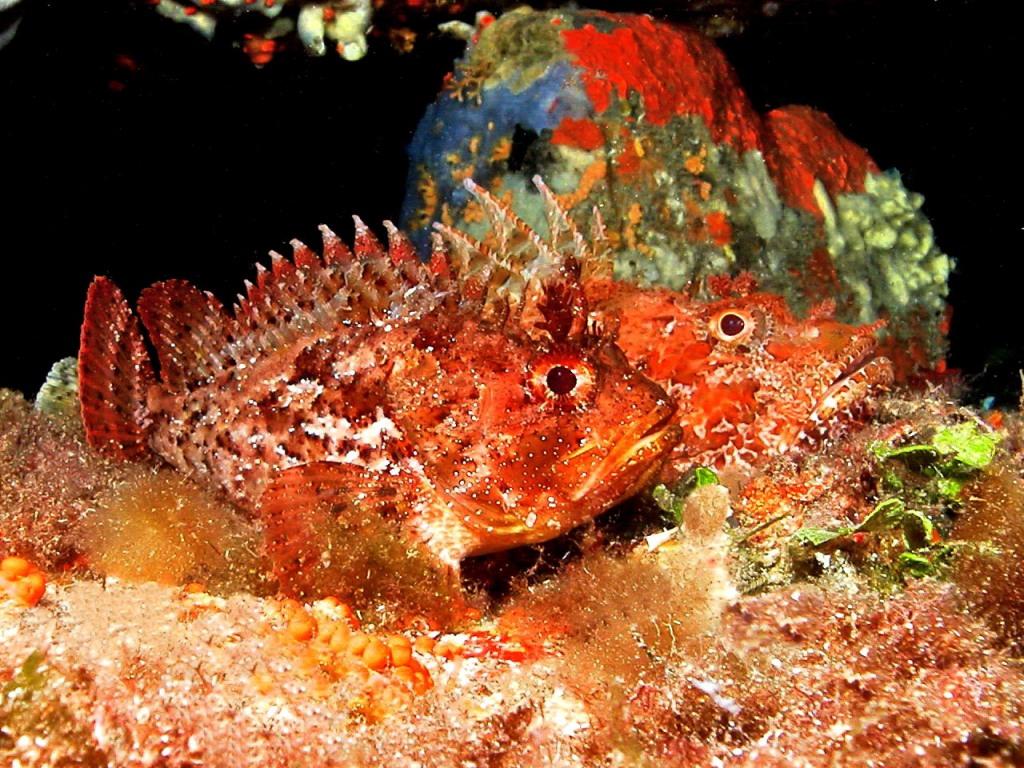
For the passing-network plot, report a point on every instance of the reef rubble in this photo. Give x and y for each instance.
(617, 648)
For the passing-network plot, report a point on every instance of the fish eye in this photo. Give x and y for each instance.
(560, 380)
(732, 326)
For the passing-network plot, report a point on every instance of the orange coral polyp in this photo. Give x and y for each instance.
(333, 649)
(15, 567)
(21, 581)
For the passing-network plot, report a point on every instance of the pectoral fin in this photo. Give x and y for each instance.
(339, 529)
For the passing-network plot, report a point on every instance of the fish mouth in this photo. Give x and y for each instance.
(862, 374)
(632, 460)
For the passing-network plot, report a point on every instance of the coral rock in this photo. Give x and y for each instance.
(648, 122)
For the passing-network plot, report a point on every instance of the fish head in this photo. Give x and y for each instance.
(752, 380)
(529, 426)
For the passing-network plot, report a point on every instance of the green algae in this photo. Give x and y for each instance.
(945, 462)
(36, 718)
(672, 501)
(926, 479)
(514, 50)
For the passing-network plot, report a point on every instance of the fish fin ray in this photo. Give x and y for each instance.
(304, 505)
(114, 374)
(189, 330)
(311, 296)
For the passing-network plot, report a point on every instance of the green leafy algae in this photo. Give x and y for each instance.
(926, 480)
(955, 450)
(672, 501)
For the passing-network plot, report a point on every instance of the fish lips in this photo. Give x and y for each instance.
(863, 375)
(632, 461)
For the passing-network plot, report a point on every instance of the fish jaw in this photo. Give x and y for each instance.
(458, 525)
(633, 459)
(839, 403)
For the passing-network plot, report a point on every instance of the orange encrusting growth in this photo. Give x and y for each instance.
(21, 581)
(390, 669)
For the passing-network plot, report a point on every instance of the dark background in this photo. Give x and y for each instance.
(132, 147)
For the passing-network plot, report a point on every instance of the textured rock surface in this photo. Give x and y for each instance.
(615, 655)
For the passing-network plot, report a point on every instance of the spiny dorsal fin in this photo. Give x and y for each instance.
(563, 236)
(365, 243)
(400, 247)
(510, 236)
(530, 255)
(189, 329)
(304, 256)
(594, 257)
(599, 264)
(335, 250)
(466, 255)
(515, 244)
(311, 296)
(516, 264)
(114, 374)
(439, 264)
(484, 283)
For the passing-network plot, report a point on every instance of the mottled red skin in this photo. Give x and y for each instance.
(781, 383)
(442, 415)
(493, 443)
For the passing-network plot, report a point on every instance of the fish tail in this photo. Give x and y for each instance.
(114, 374)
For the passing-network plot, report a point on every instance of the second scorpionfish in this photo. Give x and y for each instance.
(368, 379)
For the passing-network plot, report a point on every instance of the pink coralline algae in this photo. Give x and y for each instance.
(130, 674)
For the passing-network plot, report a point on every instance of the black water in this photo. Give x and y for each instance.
(133, 148)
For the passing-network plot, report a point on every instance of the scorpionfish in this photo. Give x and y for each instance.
(751, 379)
(365, 378)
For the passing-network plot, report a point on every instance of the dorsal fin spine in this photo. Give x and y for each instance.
(365, 243)
(335, 250)
(304, 256)
(400, 248)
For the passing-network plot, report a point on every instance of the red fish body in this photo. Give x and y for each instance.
(374, 380)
